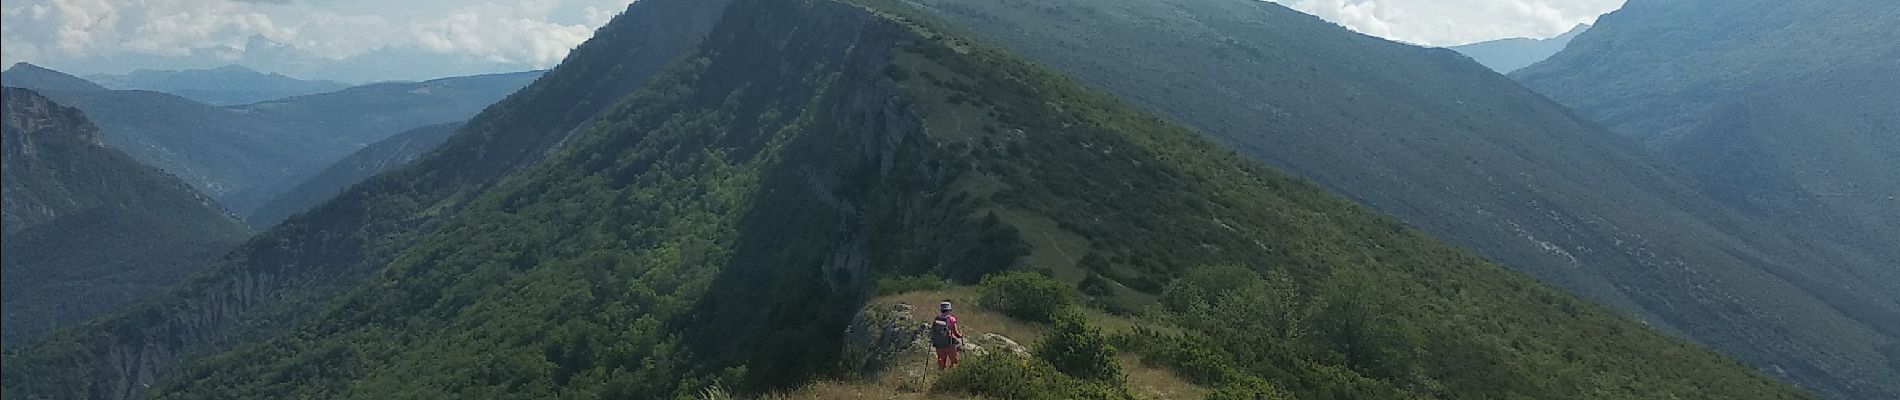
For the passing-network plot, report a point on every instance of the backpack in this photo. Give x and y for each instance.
(940, 333)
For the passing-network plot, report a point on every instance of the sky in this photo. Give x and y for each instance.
(372, 40)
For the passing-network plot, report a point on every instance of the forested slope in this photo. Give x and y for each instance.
(719, 226)
(377, 158)
(273, 281)
(88, 229)
(1783, 111)
(1436, 140)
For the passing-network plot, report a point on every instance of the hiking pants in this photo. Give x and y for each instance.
(946, 357)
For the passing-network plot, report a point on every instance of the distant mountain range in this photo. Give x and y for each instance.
(249, 154)
(1506, 55)
(383, 64)
(31, 76)
(223, 86)
(377, 158)
(87, 229)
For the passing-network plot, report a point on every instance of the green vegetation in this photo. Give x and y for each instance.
(1080, 350)
(1073, 361)
(1004, 376)
(1027, 296)
(1442, 144)
(1784, 113)
(88, 229)
(719, 228)
(379, 157)
(899, 284)
(282, 277)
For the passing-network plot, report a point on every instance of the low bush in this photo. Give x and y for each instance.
(1005, 376)
(905, 284)
(1080, 350)
(1026, 295)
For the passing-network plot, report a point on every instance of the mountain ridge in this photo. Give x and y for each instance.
(1506, 55)
(222, 86)
(246, 155)
(374, 159)
(88, 229)
(720, 226)
(1440, 142)
(1783, 112)
(284, 274)
(26, 75)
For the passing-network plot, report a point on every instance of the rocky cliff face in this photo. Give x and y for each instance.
(88, 228)
(31, 120)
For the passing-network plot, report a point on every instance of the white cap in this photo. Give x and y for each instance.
(944, 306)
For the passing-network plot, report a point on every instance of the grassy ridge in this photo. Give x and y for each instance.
(717, 228)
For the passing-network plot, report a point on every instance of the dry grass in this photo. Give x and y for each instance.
(915, 374)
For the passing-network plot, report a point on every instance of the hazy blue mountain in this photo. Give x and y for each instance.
(236, 158)
(369, 113)
(1439, 141)
(228, 85)
(1655, 76)
(247, 155)
(718, 228)
(375, 159)
(1785, 111)
(24, 75)
(1506, 55)
(87, 229)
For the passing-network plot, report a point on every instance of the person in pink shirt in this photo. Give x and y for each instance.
(945, 336)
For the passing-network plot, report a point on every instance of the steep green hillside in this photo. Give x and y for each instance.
(281, 276)
(1783, 111)
(719, 227)
(383, 156)
(223, 86)
(86, 228)
(1818, 153)
(1471, 157)
(1660, 68)
(246, 155)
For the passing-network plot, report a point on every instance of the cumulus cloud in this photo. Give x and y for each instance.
(92, 36)
(517, 33)
(1454, 22)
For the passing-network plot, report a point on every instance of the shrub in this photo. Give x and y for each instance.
(1004, 376)
(1095, 285)
(1252, 389)
(1026, 295)
(1080, 350)
(904, 284)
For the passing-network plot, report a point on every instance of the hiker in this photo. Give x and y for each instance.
(944, 336)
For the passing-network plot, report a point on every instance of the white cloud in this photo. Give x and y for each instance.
(1453, 22)
(85, 24)
(90, 36)
(599, 15)
(518, 33)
